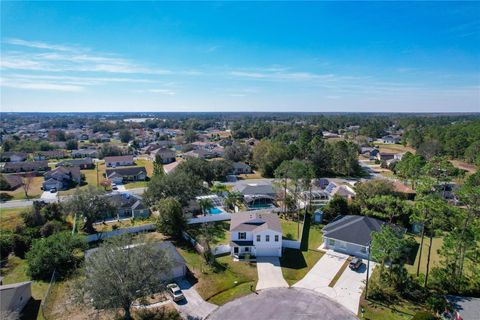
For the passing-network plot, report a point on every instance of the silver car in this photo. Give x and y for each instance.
(175, 291)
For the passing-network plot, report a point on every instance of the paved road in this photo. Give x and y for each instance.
(28, 203)
(282, 304)
(270, 273)
(193, 306)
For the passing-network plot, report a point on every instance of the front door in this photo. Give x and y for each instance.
(235, 250)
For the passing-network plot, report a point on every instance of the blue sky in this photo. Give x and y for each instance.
(234, 56)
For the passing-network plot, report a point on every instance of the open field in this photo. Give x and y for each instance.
(434, 259)
(393, 148)
(223, 282)
(471, 168)
(10, 218)
(34, 192)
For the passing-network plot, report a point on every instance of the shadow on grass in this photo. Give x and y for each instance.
(31, 310)
(411, 253)
(306, 233)
(293, 259)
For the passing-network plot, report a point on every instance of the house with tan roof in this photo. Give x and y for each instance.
(257, 233)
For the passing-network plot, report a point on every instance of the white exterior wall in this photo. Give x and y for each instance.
(235, 236)
(346, 247)
(268, 249)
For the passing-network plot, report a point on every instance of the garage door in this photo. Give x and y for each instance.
(268, 252)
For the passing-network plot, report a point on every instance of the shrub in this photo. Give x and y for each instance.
(6, 244)
(50, 228)
(57, 252)
(5, 196)
(21, 244)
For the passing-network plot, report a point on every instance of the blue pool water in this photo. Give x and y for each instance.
(215, 210)
(261, 206)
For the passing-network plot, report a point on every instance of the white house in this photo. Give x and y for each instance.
(119, 161)
(167, 155)
(241, 168)
(351, 234)
(256, 233)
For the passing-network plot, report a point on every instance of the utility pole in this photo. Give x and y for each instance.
(368, 271)
(96, 165)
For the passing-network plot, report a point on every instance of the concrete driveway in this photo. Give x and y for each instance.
(282, 304)
(269, 273)
(348, 288)
(323, 271)
(48, 196)
(193, 306)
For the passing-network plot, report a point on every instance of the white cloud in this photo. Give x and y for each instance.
(38, 45)
(34, 85)
(168, 92)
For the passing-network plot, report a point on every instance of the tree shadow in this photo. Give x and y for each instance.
(293, 259)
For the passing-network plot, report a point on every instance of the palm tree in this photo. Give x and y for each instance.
(218, 188)
(205, 205)
(233, 199)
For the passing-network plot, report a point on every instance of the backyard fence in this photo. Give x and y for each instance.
(46, 300)
(292, 244)
(217, 251)
(109, 234)
(210, 218)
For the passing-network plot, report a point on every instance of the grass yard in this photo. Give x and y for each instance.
(402, 310)
(10, 218)
(254, 175)
(15, 271)
(226, 281)
(220, 232)
(147, 164)
(296, 263)
(434, 259)
(109, 226)
(34, 192)
(135, 184)
(470, 168)
(393, 148)
(290, 229)
(90, 179)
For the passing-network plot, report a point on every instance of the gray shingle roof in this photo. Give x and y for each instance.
(255, 221)
(255, 189)
(353, 229)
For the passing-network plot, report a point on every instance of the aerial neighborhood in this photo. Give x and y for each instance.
(222, 216)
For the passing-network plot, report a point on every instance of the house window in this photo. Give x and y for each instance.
(242, 235)
(331, 242)
(267, 238)
(276, 238)
(247, 249)
(258, 238)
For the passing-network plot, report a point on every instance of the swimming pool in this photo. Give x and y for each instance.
(215, 210)
(257, 206)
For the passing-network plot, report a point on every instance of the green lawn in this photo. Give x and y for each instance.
(148, 164)
(34, 192)
(15, 271)
(401, 310)
(226, 281)
(434, 259)
(136, 184)
(296, 263)
(220, 232)
(290, 229)
(10, 218)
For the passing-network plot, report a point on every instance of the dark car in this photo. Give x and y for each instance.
(53, 190)
(355, 264)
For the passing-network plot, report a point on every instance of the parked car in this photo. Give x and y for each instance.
(114, 186)
(175, 292)
(53, 190)
(355, 264)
